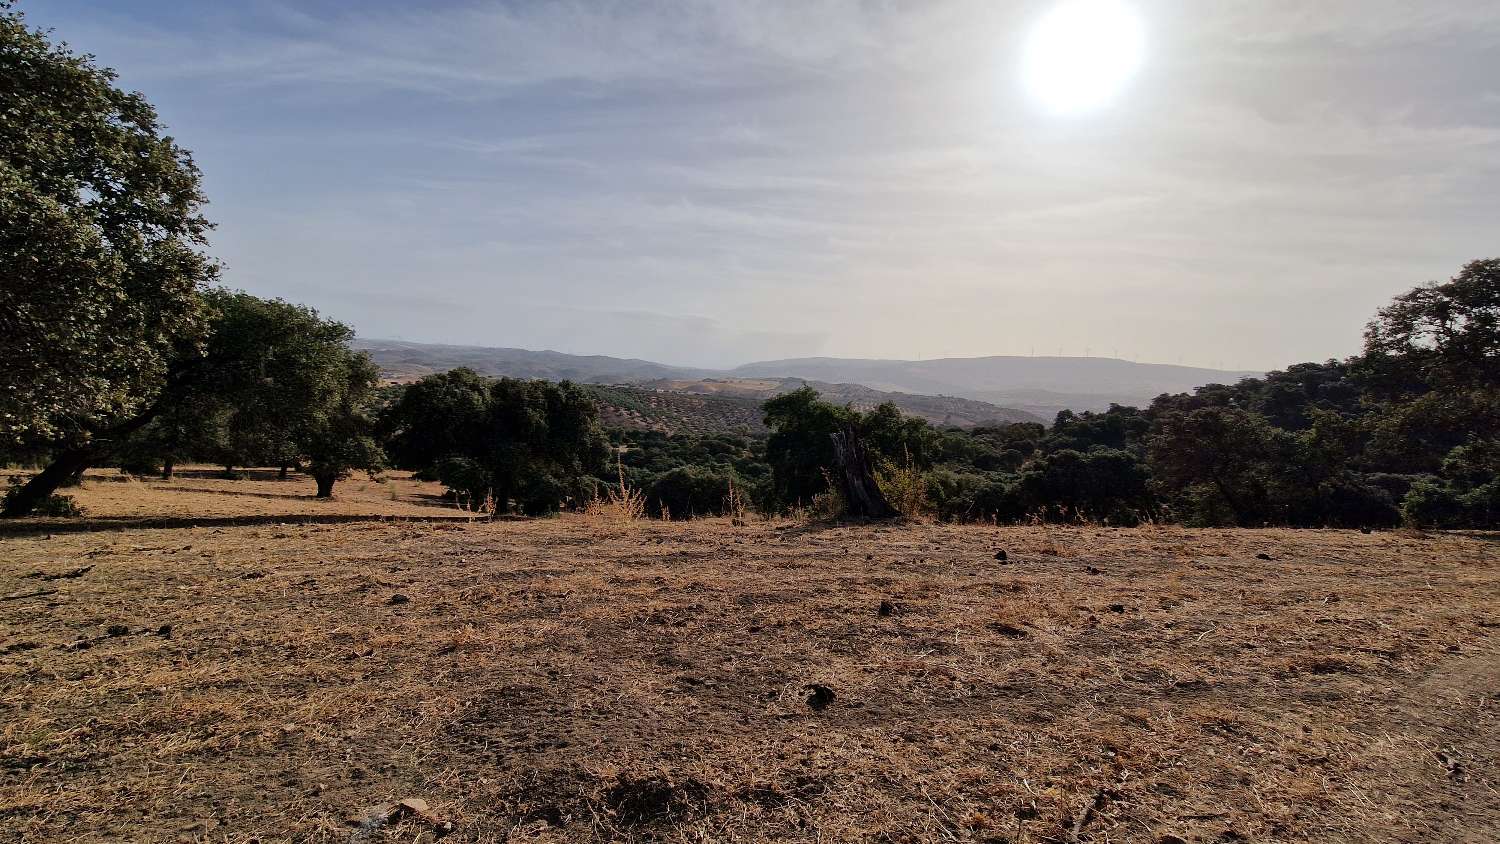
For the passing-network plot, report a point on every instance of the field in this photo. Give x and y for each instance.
(203, 661)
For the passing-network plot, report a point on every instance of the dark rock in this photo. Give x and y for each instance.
(1116, 607)
(398, 598)
(118, 630)
(819, 696)
(1001, 555)
(165, 631)
(888, 608)
(1262, 556)
(1092, 570)
(1365, 530)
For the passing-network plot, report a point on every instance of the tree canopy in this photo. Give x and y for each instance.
(101, 238)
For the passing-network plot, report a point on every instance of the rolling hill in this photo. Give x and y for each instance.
(402, 361)
(1041, 385)
(946, 391)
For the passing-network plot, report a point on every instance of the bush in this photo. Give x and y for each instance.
(904, 487)
(1429, 504)
(688, 491)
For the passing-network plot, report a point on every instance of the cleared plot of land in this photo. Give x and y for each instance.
(563, 680)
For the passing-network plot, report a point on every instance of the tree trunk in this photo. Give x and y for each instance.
(325, 483)
(65, 466)
(281, 476)
(76, 478)
(70, 463)
(228, 471)
(862, 495)
(166, 469)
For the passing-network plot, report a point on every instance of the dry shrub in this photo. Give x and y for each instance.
(619, 504)
(904, 487)
(735, 505)
(483, 508)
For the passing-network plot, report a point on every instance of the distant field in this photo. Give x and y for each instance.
(574, 680)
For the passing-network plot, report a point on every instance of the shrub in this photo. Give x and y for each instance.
(1431, 505)
(904, 487)
(688, 491)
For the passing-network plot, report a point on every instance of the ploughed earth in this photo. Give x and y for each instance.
(233, 678)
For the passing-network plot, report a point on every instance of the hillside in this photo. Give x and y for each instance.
(1010, 388)
(939, 410)
(637, 408)
(733, 406)
(1041, 385)
(403, 361)
(640, 394)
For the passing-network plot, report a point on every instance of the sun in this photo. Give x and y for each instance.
(1082, 53)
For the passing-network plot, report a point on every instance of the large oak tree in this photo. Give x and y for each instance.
(101, 261)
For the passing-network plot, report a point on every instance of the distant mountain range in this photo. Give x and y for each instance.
(1042, 385)
(403, 361)
(958, 391)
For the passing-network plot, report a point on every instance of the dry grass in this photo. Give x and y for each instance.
(559, 680)
(199, 492)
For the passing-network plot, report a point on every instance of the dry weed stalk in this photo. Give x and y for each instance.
(485, 509)
(735, 505)
(619, 503)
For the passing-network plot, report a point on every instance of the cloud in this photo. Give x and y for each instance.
(836, 176)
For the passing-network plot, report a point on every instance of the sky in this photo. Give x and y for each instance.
(708, 182)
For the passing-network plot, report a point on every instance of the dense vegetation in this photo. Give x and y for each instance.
(117, 349)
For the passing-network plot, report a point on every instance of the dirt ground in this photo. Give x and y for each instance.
(572, 679)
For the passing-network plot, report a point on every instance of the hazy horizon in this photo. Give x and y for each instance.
(708, 183)
(741, 364)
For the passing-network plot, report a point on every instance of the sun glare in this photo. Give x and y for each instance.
(1081, 53)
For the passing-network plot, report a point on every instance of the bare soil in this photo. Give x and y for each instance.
(572, 679)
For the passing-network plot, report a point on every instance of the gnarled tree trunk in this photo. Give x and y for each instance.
(855, 477)
(65, 466)
(325, 483)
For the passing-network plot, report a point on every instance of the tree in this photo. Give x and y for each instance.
(1216, 457)
(337, 437)
(541, 442)
(277, 384)
(1120, 427)
(294, 390)
(1439, 336)
(436, 417)
(688, 491)
(100, 256)
(1102, 484)
(800, 448)
(813, 441)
